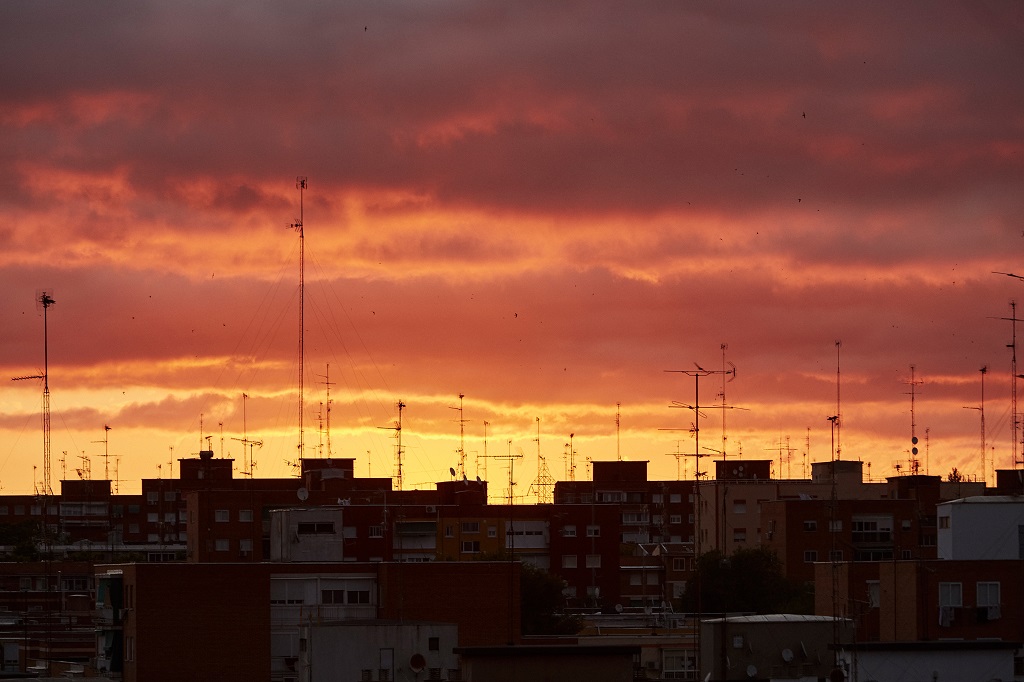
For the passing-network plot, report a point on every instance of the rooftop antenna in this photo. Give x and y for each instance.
(462, 437)
(300, 184)
(570, 458)
(678, 454)
(248, 463)
(1012, 319)
(543, 486)
(397, 428)
(618, 452)
(328, 384)
(106, 452)
(981, 409)
(44, 299)
(725, 347)
(837, 423)
(486, 424)
(914, 383)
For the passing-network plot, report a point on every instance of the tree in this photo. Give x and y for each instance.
(542, 602)
(749, 581)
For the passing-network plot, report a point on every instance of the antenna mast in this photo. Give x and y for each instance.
(397, 428)
(328, 384)
(914, 465)
(462, 437)
(837, 422)
(45, 300)
(618, 452)
(544, 484)
(106, 452)
(300, 184)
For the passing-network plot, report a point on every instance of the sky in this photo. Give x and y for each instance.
(555, 210)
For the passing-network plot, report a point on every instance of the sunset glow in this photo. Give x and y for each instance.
(547, 208)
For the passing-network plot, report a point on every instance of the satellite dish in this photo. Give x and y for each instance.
(751, 670)
(452, 470)
(302, 493)
(787, 655)
(618, 608)
(417, 663)
(478, 480)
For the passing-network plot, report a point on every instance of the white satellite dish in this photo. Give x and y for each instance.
(302, 493)
(751, 670)
(787, 655)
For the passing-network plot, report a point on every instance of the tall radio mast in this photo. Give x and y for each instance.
(300, 184)
(45, 300)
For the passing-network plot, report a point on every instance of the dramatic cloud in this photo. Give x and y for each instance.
(543, 207)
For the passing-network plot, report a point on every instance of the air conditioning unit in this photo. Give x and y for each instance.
(431, 509)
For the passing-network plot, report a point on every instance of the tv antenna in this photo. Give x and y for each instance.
(300, 184)
(618, 452)
(837, 420)
(328, 383)
(106, 452)
(914, 383)
(44, 300)
(461, 452)
(511, 465)
(544, 484)
(981, 409)
(1015, 416)
(397, 428)
(248, 463)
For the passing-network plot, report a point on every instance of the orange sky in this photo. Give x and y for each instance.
(542, 206)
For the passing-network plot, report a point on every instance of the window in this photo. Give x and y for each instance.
(593, 561)
(170, 517)
(169, 496)
(951, 594)
(470, 546)
(906, 554)
(874, 594)
(315, 528)
(988, 594)
(152, 497)
(739, 534)
(678, 664)
(657, 498)
(675, 518)
(569, 531)
(222, 516)
(492, 531)
(810, 556)
(675, 498)
(943, 522)
(835, 526)
(593, 531)
(569, 561)
(358, 596)
(470, 526)
(245, 545)
(245, 515)
(678, 564)
(633, 518)
(332, 596)
(739, 506)
(152, 517)
(810, 525)
(905, 524)
(376, 531)
(222, 545)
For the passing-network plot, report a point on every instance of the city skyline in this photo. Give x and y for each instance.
(549, 210)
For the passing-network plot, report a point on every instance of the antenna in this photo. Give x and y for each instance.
(462, 437)
(1013, 320)
(914, 383)
(725, 347)
(106, 452)
(837, 420)
(328, 384)
(543, 486)
(45, 300)
(981, 409)
(511, 463)
(397, 428)
(248, 463)
(300, 184)
(618, 453)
